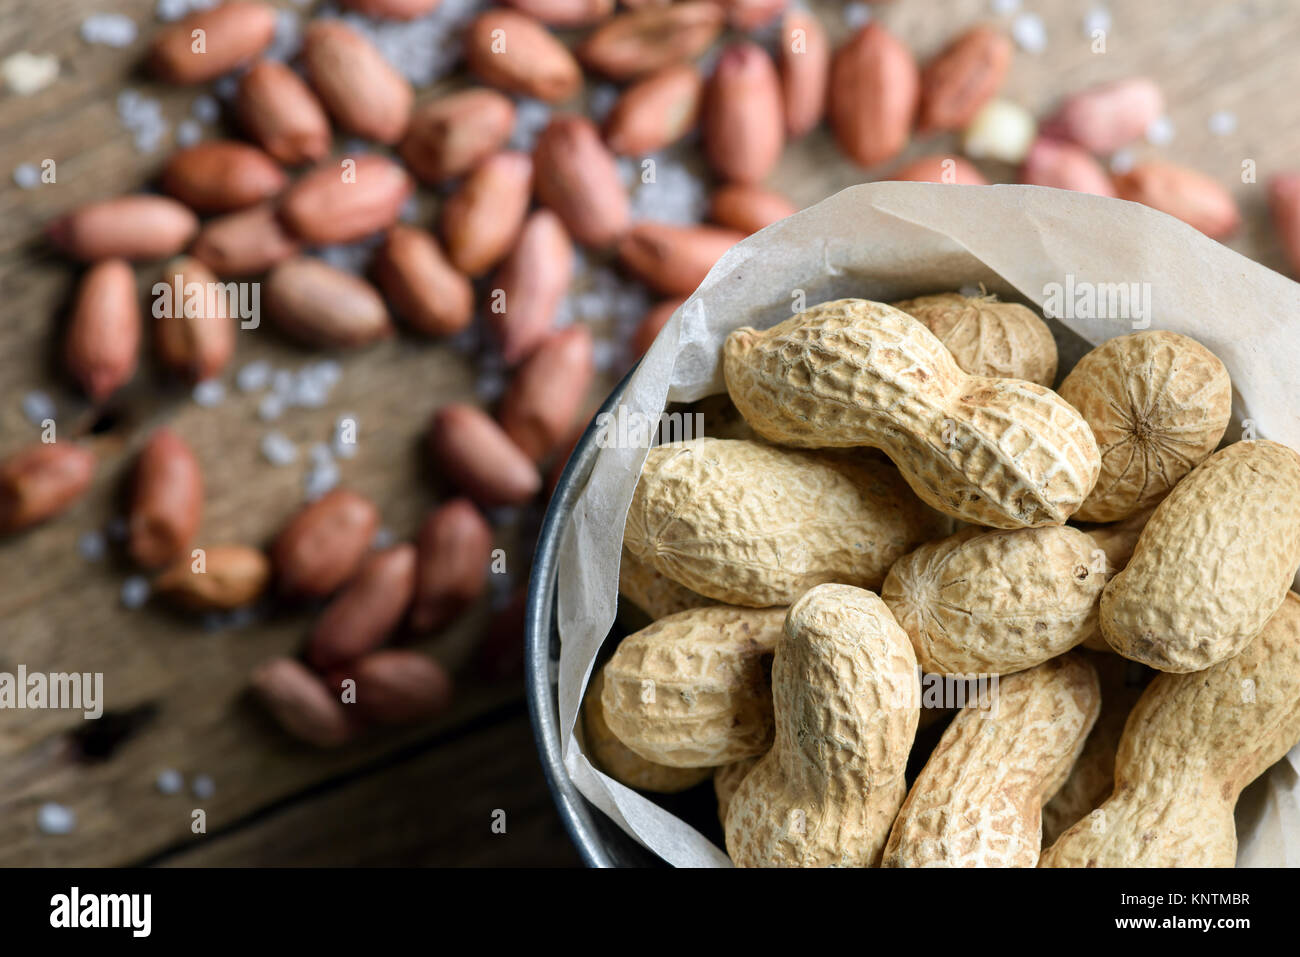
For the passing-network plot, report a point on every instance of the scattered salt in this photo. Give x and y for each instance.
(38, 406)
(1161, 131)
(601, 98)
(320, 479)
(203, 786)
(1098, 18)
(205, 108)
(55, 818)
(270, 408)
(1223, 123)
(604, 355)
(287, 40)
(1029, 32)
(109, 29)
(188, 132)
(1122, 161)
(531, 117)
(92, 546)
(425, 49)
(169, 781)
(1004, 7)
(27, 176)
(384, 538)
(210, 393)
(320, 454)
(278, 449)
(856, 15)
(169, 11)
(135, 591)
(226, 87)
(253, 376)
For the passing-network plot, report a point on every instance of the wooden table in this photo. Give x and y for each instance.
(176, 695)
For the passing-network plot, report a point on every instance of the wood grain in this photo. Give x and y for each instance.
(58, 612)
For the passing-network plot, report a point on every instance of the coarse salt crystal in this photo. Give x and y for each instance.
(54, 818)
(38, 406)
(188, 132)
(109, 29)
(1029, 32)
(319, 480)
(205, 108)
(253, 376)
(856, 15)
(27, 176)
(383, 538)
(1121, 161)
(270, 408)
(209, 393)
(1096, 19)
(203, 786)
(92, 546)
(1161, 131)
(135, 591)
(169, 781)
(278, 449)
(1004, 7)
(1223, 123)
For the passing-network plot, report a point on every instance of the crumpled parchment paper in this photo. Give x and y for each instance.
(887, 241)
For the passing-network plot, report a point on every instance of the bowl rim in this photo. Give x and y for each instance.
(599, 841)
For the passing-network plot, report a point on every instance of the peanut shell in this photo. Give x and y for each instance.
(845, 694)
(1191, 745)
(987, 337)
(692, 689)
(1000, 452)
(1213, 562)
(1158, 404)
(996, 601)
(748, 524)
(978, 801)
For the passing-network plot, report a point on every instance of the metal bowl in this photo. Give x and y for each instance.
(599, 840)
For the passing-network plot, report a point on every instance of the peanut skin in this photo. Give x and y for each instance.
(691, 690)
(231, 576)
(367, 610)
(1212, 564)
(168, 500)
(1191, 745)
(40, 481)
(324, 543)
(999, 452)
(978, 801)
(845, 694)
(749, 524)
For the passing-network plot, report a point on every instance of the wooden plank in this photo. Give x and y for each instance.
(58, 612)
(436, 807)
